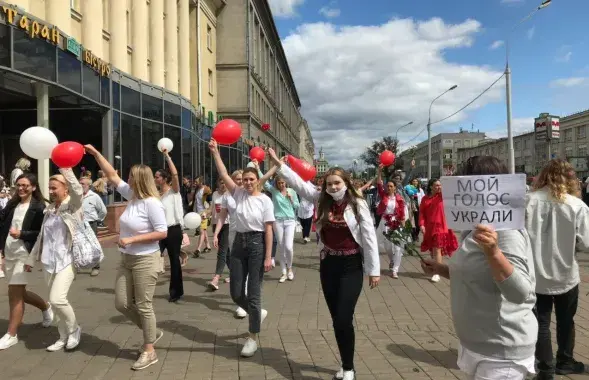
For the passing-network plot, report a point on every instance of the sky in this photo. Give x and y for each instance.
(362, 69)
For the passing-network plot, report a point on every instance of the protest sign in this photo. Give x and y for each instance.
(497, 200)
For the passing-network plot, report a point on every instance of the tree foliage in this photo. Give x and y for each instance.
(372, 153)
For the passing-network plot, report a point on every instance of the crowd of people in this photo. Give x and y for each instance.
(503, 284)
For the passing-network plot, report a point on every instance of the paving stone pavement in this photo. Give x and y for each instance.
(404, 329)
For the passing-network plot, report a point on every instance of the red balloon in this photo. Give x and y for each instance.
(387, 158)
(304, 169)
(67, 154)
(257, 153)
(266, 127)
(227, 132)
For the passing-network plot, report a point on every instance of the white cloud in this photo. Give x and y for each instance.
(531, 32)
(352, 96)
(565, 57)
(518, 126)
(496, 44)
(568, 82)
(329, 12)
(285, 8)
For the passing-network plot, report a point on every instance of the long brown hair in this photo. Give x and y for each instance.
(326, 200)
(560, 179)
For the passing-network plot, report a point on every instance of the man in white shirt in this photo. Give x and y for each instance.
(94, 211)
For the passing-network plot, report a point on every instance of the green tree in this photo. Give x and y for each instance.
(371, 155)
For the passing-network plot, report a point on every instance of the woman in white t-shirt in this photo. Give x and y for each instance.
(251, 253)
(142, 225)
(221, 238)
(169, 186)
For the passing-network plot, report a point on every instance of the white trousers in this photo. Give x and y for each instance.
(285, 230)
(59, 286)
(478, 367)
(395, 255)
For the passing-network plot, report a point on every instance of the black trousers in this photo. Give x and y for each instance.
(341, 280)
(415, 232)
(306, 224)
(173, 243)
(565, 308)
(223, 251)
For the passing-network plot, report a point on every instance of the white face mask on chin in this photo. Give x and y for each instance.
(339, 195)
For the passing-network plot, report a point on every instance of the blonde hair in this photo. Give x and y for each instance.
(143, 182)
(23, 164)
(560, 179)
(99, 185)
(236, 173)
(58, 178)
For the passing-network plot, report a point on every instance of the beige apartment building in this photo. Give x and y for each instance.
(531, 154)
(254, 82)
(306, 144)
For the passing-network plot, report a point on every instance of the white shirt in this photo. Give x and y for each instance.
(56, 256)
(217, 206)
(391, 205)
(141, 216)
(252, 212)
(228, 203)
(16, 172)
(306, 208)
(172, 202)
(420, 195)
(15, 249)
(199, 205)
(468, 361)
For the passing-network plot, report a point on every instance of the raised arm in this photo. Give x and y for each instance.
(105, 166)
(366, 186)
(221, 169)
(75, 189)
(173, 172)
(302, 188)
(410, 174)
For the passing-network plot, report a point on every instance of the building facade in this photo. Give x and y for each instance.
(445, 148)
(532, 154)
(306, 144)
(254, 82)
(321, 164)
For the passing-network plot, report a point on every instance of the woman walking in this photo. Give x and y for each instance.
(437, 238)
(349, 248)
(20, 224)
(305, 214)
(251, 253)
(221, 233)
(169, 187)
(200, 205)
(54, 248)
(558, 223)
(142, 225)
(392, 209)
(491, 295)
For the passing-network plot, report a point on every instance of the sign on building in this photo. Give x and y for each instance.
(547, 127)
(497, 200)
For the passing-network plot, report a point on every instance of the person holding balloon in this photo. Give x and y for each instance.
(251, 253)
(348, 248)
(143, 225)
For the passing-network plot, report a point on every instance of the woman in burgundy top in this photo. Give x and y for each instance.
(348, 250)
(437, 238)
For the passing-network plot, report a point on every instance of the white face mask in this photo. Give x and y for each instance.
(339, 195)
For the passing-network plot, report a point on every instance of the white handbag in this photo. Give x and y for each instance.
(86, 249)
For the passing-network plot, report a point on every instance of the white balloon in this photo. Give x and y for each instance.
(165, 143)
(192, 220)
(38, 142)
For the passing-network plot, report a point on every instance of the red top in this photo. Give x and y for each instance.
(431, 215)
(335, 233)
(384, 201)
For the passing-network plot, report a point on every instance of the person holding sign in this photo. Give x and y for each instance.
(558, 223)
(492, 295)
(393, 210)
(437, 238)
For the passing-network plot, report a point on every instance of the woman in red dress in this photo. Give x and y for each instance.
(437, 238)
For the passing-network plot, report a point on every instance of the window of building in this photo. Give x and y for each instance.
(105, 90)
(152, 108)
(34, 56)
(582, 150)
(210, 82)
(151, 133)
(172, 113)
(209, 38)
(90, 83)
(131, 101)
(131, 146)
(568, 151)
(69, 70)
(581, 131)
(526, 144)
(568, 135)
(4, 45)
(174, 134)
(517, 145)
(186, 151)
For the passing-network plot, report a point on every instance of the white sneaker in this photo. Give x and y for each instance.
(2, 275)
(57, 346)
(240, 313)
(47, 316)
(436, 278)
(8, 341)
(339, 375)
(73, 340)
(273, 263)
(290, 276)
(349, 375)
(263, 315)
(249, 348)
(282, 278)
(395, 275)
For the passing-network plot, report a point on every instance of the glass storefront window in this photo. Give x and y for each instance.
(34, 56)
(152, 132)
(186, 118)
(186, 152)
(172, 113)
(90, 83)
(152, 107)
(4, 45)
(130, 101)
(116, 147)
(131, 146)
(69, 70)
(105, 90)
(174, 134)
(116, 95)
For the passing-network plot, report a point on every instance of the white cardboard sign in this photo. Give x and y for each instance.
(497, 200)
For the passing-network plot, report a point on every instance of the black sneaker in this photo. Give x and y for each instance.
(543, 375)
(196, 254)
(573, 367)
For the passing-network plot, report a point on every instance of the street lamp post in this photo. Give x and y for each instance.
(401, 127)
(511, 153)
(429, 132)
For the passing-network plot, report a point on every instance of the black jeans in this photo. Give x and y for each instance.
(223, 251)
(565, 308)
(247, 263)
(173, 243)
(415, 232)
(306, 224)
(341, 280)
(94, 226)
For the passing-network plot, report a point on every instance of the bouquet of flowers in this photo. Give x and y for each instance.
(399, 234)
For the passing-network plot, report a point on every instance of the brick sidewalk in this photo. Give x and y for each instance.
(404, 330)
